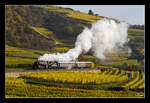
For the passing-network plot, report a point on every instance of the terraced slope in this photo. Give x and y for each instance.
(46, 33)
(137, 82)
(69, 84)
(20, 56)
(75, 14)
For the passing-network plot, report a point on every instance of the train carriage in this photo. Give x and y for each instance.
(61, 65)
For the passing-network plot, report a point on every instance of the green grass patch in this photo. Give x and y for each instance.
(14, 62)
(60, 49)
(22, 52)
(21, 57)
(129, 62)
(136, 32)
(18, 69)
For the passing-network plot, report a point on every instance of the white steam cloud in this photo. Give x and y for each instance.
(105, 35)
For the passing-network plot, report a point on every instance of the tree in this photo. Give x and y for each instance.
(90, 12)
(96, 15)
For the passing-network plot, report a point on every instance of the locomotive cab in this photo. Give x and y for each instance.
(35, 65)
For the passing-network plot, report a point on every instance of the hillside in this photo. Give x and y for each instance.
(54, 29)
(57, 25)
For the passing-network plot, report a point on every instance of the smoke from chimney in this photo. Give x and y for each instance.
(104, 35)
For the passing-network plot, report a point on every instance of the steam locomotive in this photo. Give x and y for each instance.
(61, 65)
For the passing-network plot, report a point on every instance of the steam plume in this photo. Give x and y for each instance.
(105, 35)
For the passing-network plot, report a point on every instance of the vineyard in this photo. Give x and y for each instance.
(21, 57)
(46, 33)
(106, 80)
(76, 83)
(32, 31)
(73, 14)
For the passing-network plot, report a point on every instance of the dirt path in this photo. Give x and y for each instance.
(12, 74)
(15, 74)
